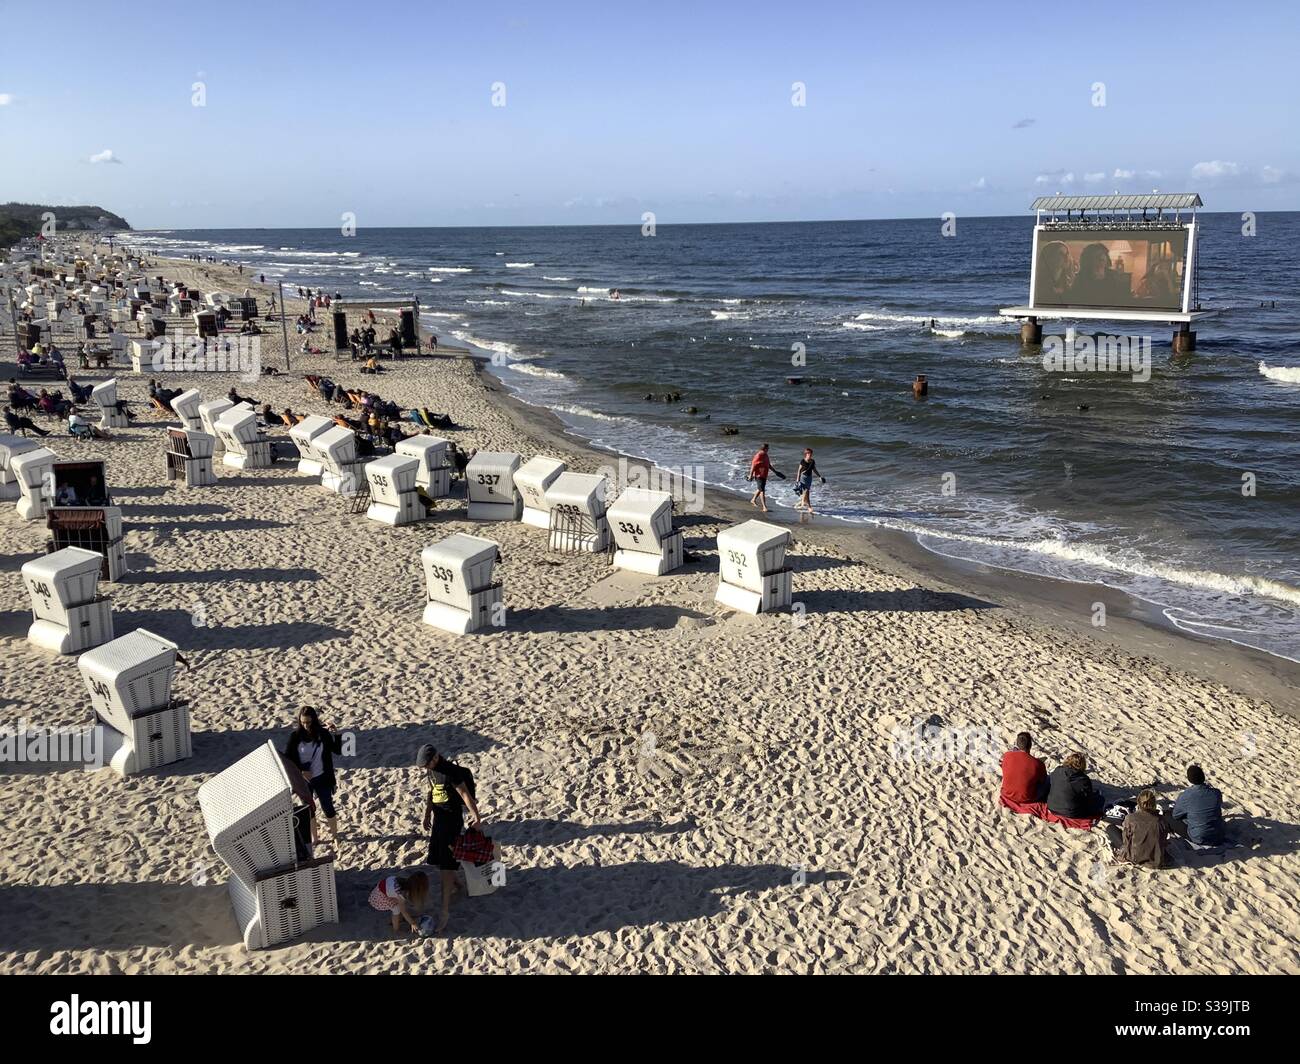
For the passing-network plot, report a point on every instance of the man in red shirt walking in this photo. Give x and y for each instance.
(1024, 777)
(759, 469)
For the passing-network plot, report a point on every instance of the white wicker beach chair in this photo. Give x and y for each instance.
(753, 576)
(10, 448)
(130, 685)
(393, 498)
(302, 434)
(461, 594)
(280, 905)
(492, 494)
(434, 474)
(576, 510)
(246, 444)
(186, 407)
(34, 472)
(248, 811)
(69, 615)
(532, 479)
(105, 394)
(645, 541)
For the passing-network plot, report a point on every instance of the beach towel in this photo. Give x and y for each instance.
(1040, 810)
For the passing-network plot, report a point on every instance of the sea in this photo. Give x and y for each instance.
(1182, 489)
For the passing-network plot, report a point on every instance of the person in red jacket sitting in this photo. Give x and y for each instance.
(1024, 777)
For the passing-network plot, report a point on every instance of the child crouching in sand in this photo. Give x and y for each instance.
(403, 897)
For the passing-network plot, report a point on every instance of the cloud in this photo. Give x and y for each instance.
(6, 98)
(105, 156)
(1124, 175)
(1214, 170)
(981, 183)
(1093, 178)
(1058, 177)
(1271, 175)
(1024, 123)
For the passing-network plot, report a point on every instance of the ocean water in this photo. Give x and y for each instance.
(1142, 491)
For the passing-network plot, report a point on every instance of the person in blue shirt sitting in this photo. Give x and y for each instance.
(1198, 812)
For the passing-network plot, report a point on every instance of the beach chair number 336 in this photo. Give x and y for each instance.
(633, 530)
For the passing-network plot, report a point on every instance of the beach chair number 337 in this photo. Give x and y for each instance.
(489, 479)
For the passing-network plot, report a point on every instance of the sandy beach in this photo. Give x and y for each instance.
(676, 787)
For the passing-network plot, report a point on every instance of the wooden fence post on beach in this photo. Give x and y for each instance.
(284, 331)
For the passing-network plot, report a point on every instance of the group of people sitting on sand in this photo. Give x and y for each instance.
(1137, 829)
(21, 402)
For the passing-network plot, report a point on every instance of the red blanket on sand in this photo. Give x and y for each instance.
(1040, 810)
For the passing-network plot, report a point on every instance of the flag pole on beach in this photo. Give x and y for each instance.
(284, 330)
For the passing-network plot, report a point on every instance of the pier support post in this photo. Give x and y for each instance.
(1031, 332)
(1184, 340)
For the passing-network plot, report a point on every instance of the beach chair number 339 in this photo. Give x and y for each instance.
(489, 479)
(446, 575)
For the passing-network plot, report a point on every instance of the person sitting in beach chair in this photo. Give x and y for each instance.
(1024, 777)
(1070, 791)
(81, 429)
(80, 392)
(402, 897)
(236, 398)
(18, 424)
(19, 397)
(53, 404)
(1197, 815)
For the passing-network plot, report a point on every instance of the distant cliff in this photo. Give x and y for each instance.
(19, 220)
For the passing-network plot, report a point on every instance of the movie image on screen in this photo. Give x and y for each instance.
(1139, 269)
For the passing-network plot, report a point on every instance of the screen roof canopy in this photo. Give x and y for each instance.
(1165, 201)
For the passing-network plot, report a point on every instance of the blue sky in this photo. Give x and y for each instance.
(385, 109)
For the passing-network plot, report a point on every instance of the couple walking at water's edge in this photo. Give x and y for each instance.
(760, 468)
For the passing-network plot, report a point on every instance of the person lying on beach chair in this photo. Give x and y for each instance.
(236, 398)
(289, 418)
(1024, 777)
(402, 897)
(24, 425)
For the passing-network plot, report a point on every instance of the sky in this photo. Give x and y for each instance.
(505, 113)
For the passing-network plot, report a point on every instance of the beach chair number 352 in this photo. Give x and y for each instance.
(736, 558)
